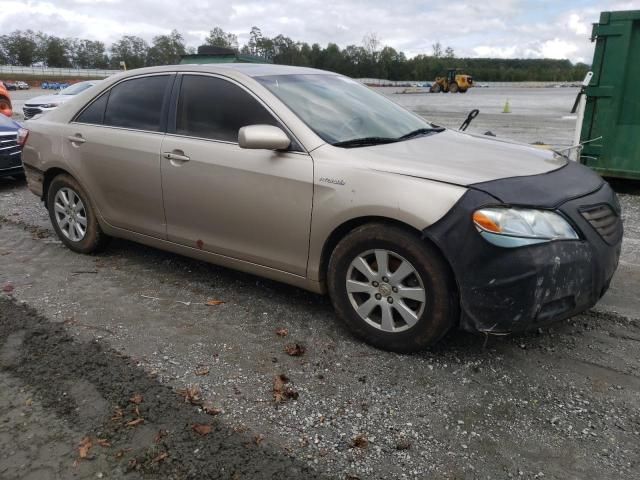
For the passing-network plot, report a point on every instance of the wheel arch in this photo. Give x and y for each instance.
(49, 175)
(345, 228)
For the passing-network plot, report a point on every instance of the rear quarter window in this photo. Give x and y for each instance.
(137, 103)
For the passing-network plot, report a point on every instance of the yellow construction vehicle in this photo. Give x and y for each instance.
(454, 82)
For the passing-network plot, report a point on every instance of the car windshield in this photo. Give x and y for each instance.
(75, 89)
(342, 111)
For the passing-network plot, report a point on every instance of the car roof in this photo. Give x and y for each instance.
(248, 69)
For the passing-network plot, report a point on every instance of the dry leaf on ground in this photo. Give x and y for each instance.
(281, 390)
(294, 349)
(201, 429)
(135, 423)
(191, 395)
(103, 442)
(137, 399)
(282, 332)
(360, 441)
(85, 447)
(200, 371)
(213, 303)
(160, 435)
(211, 410)
(160, 457)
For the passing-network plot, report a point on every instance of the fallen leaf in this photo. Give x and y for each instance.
(258, 439)
(201, 429)
(118, 414)
(202, 371)
(85, 447)
(281, 390)
(103, 442)
(137, 399)
(282, 332)
(160, 435)
(213, 303)
(294, 349)
(211, 410)
(7, 288)
(120, 453)
(160, 457)
(29, 402)
(191, 395)
(360, 441)
(135, 423)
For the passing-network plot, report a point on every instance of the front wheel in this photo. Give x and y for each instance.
(391, 288)
(73, 216)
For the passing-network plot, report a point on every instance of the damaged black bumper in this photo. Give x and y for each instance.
(514, 289)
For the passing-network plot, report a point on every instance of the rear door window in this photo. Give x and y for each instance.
(94, 113)
(138, 103)
(209, 107)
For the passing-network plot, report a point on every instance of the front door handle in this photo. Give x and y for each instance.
(177, 156)
(76, 138)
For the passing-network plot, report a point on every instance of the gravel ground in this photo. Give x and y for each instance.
(80, 336)
(568, 397)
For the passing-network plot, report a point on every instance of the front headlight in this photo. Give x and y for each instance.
(50, 105)
(515, 227)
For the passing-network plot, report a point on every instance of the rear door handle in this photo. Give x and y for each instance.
(175, 156)
(76, 138)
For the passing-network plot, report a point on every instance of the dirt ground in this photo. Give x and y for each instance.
(80, 336)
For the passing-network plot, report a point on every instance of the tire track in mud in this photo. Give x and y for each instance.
(84, 383)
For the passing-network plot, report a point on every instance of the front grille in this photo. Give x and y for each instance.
(9, 151)
(604, 221)
(30, 111)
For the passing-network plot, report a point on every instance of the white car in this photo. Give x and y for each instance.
(23, 85)
(45, 103)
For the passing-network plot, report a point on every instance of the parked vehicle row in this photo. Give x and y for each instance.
(54, 85)
(12, 138)
(310, 178)
(45, 103)
(5, 101)
(19, 85)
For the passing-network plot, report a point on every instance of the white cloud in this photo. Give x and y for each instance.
(503, 28)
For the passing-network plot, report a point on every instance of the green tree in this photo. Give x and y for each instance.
(129, 49)
(89, 54)
(19, 48)
(219, 38)
(166, 49)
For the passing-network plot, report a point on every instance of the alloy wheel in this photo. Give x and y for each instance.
(385, 290)
(70, 214)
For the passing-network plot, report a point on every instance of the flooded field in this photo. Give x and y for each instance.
(537, 114)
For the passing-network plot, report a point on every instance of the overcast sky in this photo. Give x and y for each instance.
(496, 28)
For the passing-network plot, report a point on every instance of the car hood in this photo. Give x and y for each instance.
(459, 158)
(44, 99)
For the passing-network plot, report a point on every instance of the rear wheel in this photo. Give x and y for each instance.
(453, 88)
(391, 288)
(73, 216)
(436, 88)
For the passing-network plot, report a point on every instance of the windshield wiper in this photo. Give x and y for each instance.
(364, 141)
(421, 131)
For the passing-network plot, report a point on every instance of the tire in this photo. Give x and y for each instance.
(436, 88)
(93, 239)
(453, 88)
(432, 314)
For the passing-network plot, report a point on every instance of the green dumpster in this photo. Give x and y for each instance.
(611, 124)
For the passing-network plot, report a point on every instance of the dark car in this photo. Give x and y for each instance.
(10, 86)
(12, 138)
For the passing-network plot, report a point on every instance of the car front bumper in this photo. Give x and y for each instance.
(513, 289)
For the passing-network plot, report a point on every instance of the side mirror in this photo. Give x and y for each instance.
(264, 137)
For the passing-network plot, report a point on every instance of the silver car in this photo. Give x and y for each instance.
(312, 179)
(46, 103)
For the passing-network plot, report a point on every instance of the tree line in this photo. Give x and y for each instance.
(371, 59)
